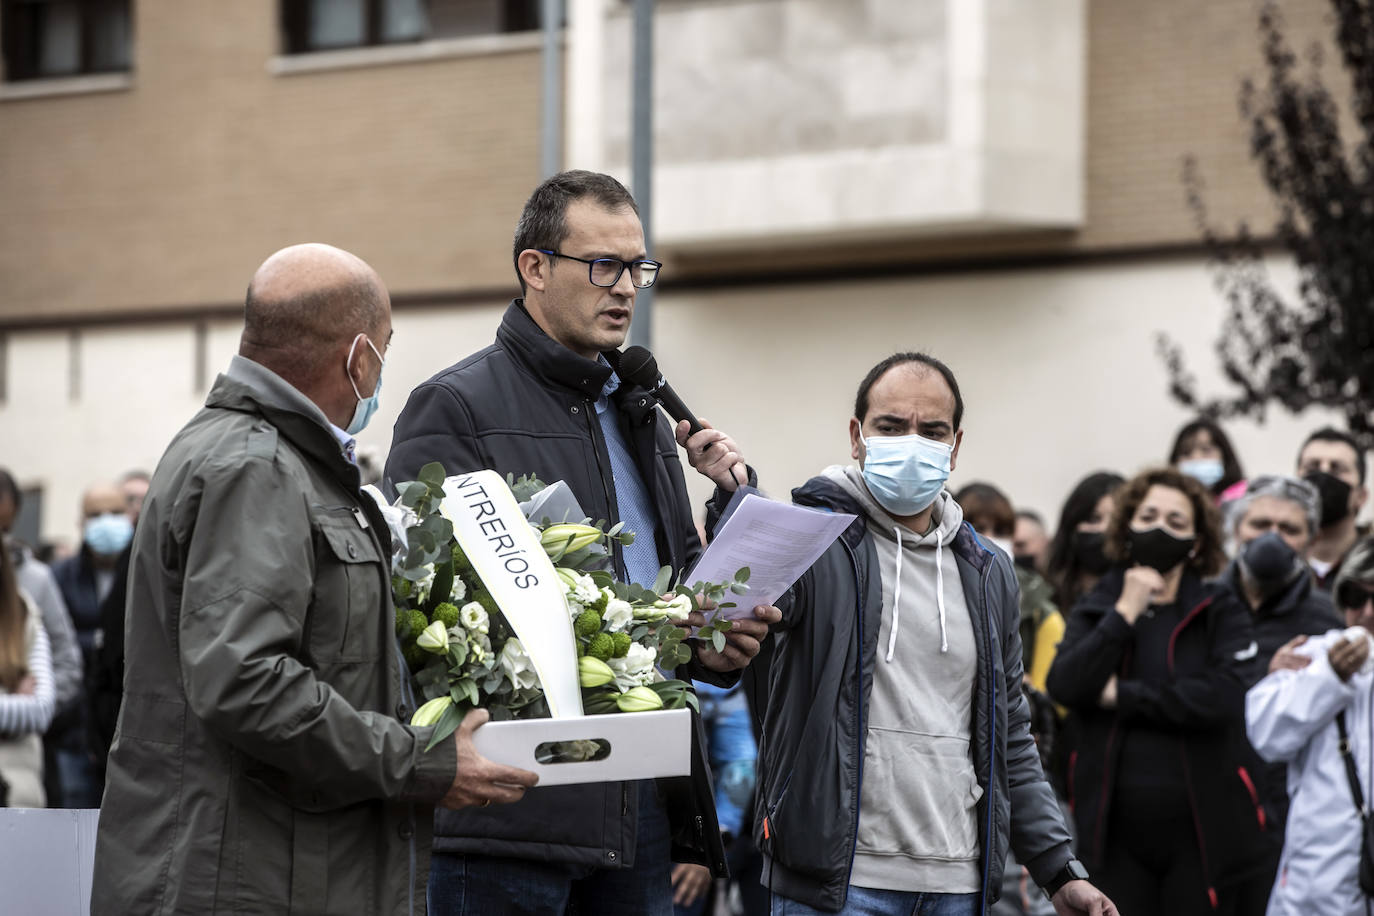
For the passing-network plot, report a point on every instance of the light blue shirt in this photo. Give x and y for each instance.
(631, 495)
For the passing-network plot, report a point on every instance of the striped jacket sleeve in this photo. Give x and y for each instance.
(23, 713)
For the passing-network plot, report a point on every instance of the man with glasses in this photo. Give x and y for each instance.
(545, 400)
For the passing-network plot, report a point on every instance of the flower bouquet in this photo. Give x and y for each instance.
(504, 593)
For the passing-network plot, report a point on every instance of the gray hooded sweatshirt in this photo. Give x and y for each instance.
(918, 827)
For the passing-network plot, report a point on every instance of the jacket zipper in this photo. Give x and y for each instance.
(858, 707)
(990, 794)
(1187, 770)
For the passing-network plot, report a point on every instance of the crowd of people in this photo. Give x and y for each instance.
(1159, 704)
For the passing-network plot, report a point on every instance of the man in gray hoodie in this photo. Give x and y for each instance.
(896, 761)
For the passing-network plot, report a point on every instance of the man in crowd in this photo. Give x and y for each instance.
(897, 764)
(1271, 529)
(105, 676)
(257, 766)
(87, 578)
(1334, 463)
(37, 580)
(544, 399)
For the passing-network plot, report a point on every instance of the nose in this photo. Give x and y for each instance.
(624, 286)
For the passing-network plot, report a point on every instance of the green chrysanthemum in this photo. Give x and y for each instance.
(587, 624)
(602, 646)
(622, 644)
(447, 612)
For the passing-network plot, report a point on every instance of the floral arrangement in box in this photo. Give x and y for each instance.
(462, 646)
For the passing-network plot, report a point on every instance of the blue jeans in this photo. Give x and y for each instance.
(476, 885)
(868, 901)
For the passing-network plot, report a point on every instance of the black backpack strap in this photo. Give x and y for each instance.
(1351, 773)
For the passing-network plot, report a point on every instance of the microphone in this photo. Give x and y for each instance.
(638, 366)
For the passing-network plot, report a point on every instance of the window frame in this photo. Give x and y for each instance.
(21, 61)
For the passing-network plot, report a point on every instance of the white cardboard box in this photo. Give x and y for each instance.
(643, 745)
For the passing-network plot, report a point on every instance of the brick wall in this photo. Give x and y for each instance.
(169, 194)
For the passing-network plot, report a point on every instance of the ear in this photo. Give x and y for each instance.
(534, 268)
(353, 360)
(856, 440)
(954, 453)
(1361, 497)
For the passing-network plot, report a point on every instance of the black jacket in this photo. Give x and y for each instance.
(1300, 609)
(1213, 657)
(812, 750)
(527, 405)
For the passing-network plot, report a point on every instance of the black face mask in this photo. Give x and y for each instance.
(1087, 550)
(1025, 561)
(1158, 549)
(1335, 494)
(1269, 563)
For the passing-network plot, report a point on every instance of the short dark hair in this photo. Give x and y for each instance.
(986, 508)
(9, 488)
(1031, 515)
(1208, 558)
(543, 224)
(1331, 434)
(900, 359)
(1231, 473)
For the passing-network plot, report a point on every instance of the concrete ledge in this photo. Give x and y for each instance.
(389, 55)
(66, 85)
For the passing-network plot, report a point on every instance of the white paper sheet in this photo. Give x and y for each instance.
(777, 541)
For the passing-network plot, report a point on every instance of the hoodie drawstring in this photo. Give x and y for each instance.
(896, 597)
(940, 586)
(897, 592)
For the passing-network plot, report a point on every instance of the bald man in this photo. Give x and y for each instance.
(262, 762)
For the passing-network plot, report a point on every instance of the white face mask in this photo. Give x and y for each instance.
(905, 473)
(1002, 544)
(366, 407)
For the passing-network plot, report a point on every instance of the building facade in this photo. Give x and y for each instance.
(993, 181)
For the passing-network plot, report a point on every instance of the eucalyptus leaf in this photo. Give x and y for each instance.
(718, 640)
(433, 474)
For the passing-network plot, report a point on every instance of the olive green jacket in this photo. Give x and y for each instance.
(259, 765)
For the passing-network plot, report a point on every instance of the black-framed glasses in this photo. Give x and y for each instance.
(1352, 596)
(606, 271)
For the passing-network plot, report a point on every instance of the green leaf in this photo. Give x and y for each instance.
(742, 575)
(433, 474)
(448, 723)
(718, 640)
(412, 493)
(739, 588)
(665, 578)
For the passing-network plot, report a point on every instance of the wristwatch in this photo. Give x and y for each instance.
(1073, 870)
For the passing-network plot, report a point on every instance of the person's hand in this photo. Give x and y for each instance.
(27, 685)
(1347, 655)
(1141, 584)
(1108, 698)
(478, 780)
(742, 641)
(1285, 659)
(689, 883)
(713, 454)
(1079, 898)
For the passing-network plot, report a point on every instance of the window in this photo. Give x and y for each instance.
(328, 25)
(53, 38)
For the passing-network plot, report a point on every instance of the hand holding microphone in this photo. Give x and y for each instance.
(709, 451)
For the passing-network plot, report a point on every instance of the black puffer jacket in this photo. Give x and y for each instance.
(527, 405)
(812, 751)
(1300, 609)
(1212, 657)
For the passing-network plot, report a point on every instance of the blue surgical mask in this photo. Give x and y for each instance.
(108, 534)
(366, 407)
(905, 473)
(1206, 471)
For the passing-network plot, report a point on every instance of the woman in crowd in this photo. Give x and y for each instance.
(1202, 451)
(26, 694)
(1297, 716)
(1153, 667)
(1077, 559)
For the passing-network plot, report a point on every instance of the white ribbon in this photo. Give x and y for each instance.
(505, 552)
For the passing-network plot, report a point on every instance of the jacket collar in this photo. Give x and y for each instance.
(251, 387)
(1276, 605)
(1192, 592)
(545, 357)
